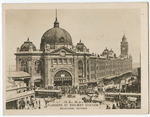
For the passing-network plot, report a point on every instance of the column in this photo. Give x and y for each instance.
(112, 68)
(73, 77)
(76, 80)
(46, 70)
(50, 79)
(30, 66)
(105, 68)
(17, 63)
(86, 73)
(89, 70)
(42, 75)
(96, 69)
(31, 69)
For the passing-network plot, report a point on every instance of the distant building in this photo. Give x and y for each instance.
(59, 62)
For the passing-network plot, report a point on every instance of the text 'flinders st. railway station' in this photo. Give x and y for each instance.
(59, 63)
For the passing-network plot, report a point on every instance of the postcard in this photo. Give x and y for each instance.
(75, 59)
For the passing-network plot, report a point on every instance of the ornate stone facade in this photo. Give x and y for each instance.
(59, 62)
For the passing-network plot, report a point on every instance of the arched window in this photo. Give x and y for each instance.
(80, 68)
(24, 66)
(61, 40)
(38, 67)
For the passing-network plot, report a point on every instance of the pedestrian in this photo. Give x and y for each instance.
(107, 107)
(35, 103)
(45, 103)
(113, 107)
(27, 103)
(25, 100)
(30, 102)
(39, 104)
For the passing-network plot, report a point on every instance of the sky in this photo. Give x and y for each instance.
(97, 28)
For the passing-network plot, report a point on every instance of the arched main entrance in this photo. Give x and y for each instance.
(38, 82)
(63, 78)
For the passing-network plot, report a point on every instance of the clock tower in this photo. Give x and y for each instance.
(124, 46)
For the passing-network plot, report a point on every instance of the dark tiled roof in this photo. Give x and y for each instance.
(54, 36)
(26, 45)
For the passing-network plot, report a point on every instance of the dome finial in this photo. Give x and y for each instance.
(56, 23)
(28, 39)
(80, 40)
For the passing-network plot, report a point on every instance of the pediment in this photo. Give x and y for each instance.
(62, 51)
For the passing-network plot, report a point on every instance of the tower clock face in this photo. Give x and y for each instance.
(123, 48)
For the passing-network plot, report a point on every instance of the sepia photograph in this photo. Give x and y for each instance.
(75, 57)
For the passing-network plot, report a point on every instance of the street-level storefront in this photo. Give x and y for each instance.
(19, 76)
(11, 104)
(38, 82)
(12, 100)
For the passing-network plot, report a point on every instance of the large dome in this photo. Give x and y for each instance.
(56, 36)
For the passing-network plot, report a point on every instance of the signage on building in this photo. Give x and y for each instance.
(62, 75)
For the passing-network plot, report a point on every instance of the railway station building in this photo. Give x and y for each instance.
(60, 63)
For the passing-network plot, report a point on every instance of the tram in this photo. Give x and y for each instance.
(42, 93)
(112, 96)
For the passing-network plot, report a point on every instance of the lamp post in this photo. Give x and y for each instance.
(119, 88)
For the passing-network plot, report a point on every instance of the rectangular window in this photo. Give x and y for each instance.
(60, 61)
(65, 61)
(55, 61)
(69, 61)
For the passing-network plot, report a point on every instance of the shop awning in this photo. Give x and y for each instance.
(110, 77)
(18, 74)
(19, 96)
(38, 80)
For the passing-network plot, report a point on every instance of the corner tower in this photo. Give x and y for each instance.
(124, 46)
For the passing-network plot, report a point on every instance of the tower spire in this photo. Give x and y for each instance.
(56, 14)
(56, 23)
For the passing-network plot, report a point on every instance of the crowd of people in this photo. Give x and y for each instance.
(124, 103)
(82, 90)
(131, 85)
(28, 103)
